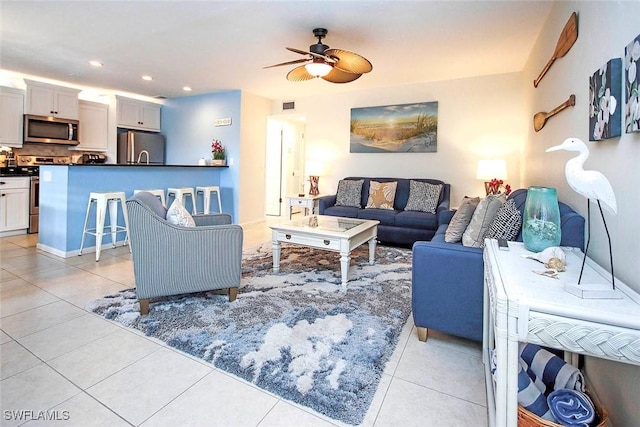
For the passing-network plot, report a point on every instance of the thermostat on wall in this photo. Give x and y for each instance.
(222, 122)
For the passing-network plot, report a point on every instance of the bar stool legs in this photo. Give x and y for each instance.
(206, 197)
(181, 193)
(106, 201)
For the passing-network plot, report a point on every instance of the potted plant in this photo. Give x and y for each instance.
(218, 153)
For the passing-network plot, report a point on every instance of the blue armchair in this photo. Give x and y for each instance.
(448, 278)
(171, 260)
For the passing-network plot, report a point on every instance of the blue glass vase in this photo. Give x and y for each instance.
(541, 222)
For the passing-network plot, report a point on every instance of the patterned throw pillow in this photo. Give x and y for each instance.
(482, 218)
(178, 215)
(461, 219)
(423, 196)
(349, 193)
(381, 195)
(507, 223)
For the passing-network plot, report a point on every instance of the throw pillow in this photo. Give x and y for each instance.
(349, 192)
(423, 196)
(381, 195)
(507, 223)
(178, 215)
(461, 219)
(481, 220)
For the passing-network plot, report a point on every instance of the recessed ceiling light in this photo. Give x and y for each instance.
(147, 78)
(95, 63)
(186, 89)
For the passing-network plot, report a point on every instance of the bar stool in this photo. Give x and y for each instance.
(157, 192)
(206, 197)
(181, 193)
(102, 201)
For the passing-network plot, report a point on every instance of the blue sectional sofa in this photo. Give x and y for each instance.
(397, 226)
(448, 278)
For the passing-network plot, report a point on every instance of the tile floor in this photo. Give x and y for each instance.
(86, 371)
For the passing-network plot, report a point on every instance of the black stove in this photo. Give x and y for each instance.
(20, 171)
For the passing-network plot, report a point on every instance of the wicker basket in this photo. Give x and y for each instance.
(529, 419)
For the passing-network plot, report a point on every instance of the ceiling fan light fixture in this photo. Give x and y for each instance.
(318, 69)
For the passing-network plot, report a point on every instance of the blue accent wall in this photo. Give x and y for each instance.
(188, 125)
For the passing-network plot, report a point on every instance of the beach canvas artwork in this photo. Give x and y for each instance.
(405, 128)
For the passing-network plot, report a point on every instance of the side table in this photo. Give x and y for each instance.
(307, 201)
(522, 306)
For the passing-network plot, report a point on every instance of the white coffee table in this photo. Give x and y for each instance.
(330, 233)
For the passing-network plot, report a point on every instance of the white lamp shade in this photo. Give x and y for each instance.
(318, 69)
(489, 169)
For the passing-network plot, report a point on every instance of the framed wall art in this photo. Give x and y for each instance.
(404, 128)
(605, 87)
(632, 86)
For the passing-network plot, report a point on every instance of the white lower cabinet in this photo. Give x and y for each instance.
(14, 204)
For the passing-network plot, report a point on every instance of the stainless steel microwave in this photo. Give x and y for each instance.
(50, 130)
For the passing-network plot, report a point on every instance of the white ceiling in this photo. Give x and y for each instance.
(224, 45)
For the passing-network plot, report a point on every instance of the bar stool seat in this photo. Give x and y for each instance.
(181, 193)
(104, 200)
(156, 192)
(206, 196)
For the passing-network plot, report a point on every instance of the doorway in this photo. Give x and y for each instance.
(285, 162)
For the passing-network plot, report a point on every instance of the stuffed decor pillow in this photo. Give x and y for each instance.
(178, 215)
(461, 219)
(481, 220)
(381, 195)
(349, 192)
(506, 224)
(423, 196)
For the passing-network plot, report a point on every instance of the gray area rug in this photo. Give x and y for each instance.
(295, 333)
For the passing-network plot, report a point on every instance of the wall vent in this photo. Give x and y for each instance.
(290, 105)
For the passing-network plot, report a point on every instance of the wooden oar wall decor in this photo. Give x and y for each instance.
(541, 118)
(567, 38)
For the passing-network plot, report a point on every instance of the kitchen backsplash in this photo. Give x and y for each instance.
(48, 150)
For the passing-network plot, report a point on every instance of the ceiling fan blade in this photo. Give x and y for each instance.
(338, 76)
(299, 74)
(297, 61)
(349, 62)
(304, 52)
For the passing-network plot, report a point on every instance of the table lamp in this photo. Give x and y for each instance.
(490, 169)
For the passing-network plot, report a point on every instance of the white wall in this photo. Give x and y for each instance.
(605, 28)
(478, 118)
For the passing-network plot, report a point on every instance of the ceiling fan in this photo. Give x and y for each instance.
(333, 65)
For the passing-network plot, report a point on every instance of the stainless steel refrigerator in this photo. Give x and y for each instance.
(141, 148)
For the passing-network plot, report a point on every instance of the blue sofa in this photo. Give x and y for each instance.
(448, 278)
(397, 226)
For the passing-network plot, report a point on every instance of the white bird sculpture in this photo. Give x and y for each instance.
(590, 184)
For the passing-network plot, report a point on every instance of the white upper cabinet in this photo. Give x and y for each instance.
(135, 114)
(11, 110)
(50, 100)
(94, 126)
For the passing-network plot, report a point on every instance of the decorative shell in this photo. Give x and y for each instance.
(552, 252)
(556, 263)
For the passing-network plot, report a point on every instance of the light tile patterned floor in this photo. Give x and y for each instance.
(88, 371)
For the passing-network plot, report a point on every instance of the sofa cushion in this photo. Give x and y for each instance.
(178, 215)
(482, 218)
(385, 216)
(461, 219)
(506, 224)
(423, 196)
(349, 193)
(415, 219)
(381, 195)
(343, 211)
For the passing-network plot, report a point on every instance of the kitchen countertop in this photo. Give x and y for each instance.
(141, 164)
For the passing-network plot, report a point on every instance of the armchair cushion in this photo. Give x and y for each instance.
(178, 215)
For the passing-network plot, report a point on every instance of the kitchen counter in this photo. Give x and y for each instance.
(64, 193)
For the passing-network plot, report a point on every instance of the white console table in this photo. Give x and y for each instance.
(522, 306)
